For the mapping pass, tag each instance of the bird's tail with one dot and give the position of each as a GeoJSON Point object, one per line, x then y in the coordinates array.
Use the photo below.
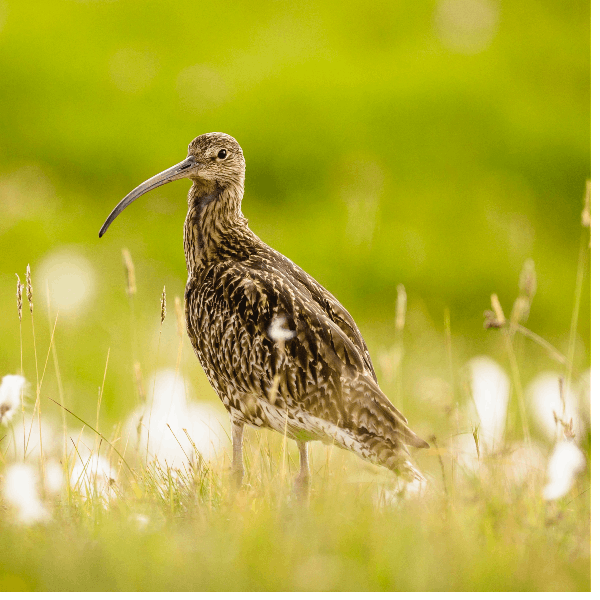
{"type": "Point", "coordinates": [381, 429]}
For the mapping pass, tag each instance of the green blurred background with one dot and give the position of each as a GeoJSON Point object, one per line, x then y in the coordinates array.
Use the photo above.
{"type": "Point", "coordinates": [434, 144]}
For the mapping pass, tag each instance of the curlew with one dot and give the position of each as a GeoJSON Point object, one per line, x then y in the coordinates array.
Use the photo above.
{"type": "Point", "coordinates": [279, 350]}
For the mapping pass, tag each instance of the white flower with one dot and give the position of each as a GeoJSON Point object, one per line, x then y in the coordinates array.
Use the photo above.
{"type": "Point", "coordinates": [278, 331]}
{"type": "Point", "coordinates": [10, 396]}
{"type": "Point", "coordinates": [94, 477]}
{"type": "Point", "coordinates": [53, 477]}
{"type": "Point", "coordinates": [158, 426]}
{"type": "Point", "coordinates": [490, 387]}
{"type": "Point", "coordinates": [20, 491]}
{"type": "Point", "coordinates": [207, 430]}
{"type": "Point", "coordinates": [566, 461]}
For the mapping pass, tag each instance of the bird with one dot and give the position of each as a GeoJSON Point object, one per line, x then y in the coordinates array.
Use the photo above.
{"type": "Point", "coordinates": [279, 350]}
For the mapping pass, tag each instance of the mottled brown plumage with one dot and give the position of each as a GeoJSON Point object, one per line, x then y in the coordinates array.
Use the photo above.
{"type": "Point", "coordinates": [277, 347]}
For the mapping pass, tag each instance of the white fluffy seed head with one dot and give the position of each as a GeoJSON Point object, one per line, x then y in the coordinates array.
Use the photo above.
{"type": "Point", "coordinates": [20, 491]}
{"type": "Point", "coordinates": [158, 426]}
{"type": "Point", "coordinates": [10, 396]}
{"type": "Point", "coordinates": [490, 388]}
{"type": "Point", "coordinates": [566, 461]}
{"type": "Point", "coordinates": [94, 476]}
{"type": "Point", "coordinates": [53, 477]}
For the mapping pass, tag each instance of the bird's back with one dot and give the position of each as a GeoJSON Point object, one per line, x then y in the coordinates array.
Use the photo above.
{"type": "Point", "coordinates": [282, 352]}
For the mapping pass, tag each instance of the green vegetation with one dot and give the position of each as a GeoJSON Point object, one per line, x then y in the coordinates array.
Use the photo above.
{"type": "Point", "coordinates": [386, 143]}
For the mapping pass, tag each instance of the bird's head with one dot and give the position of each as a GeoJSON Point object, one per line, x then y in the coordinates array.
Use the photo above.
{"type": "Point", "coordinates": [214, 160]}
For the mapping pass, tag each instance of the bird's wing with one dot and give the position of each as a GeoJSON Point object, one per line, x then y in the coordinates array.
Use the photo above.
{"type": "Point", "coordinates": [326, 300]}
{"type": "Point", "coordinates": [267, 337]}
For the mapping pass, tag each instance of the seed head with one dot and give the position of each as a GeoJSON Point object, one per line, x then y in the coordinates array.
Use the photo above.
{"type": "Point", "coordinates": [400, 307]}
{"type": "Point", "coordinates": [567, 426]}
{"type": "Point", "coordinates": [10, 392]}
{"type": "Point", "coordinates": [528, 280]}
{"type": "Point", "coordinates": [29, 289]}
{"type": "Point", "coordinates": [129, 273]}
{"type": "Point", "coordinates": [19, 298]}
{"type": "Point", "coordinates": [163, 305]}
{"type": "Point", "coordinates": [494, 318]}
{"type": "Point", "coordinates": [566, 461]}
{"type": "Point", "coordinates": [520, 310]}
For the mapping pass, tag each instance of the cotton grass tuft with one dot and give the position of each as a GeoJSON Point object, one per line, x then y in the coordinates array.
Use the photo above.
{"type": "Point", "coordinates": [20, 492]}
{"type": "Point", "coordinates": [10, 393]}
{"type": "Point", "coordinates": [566, 462]}
{"type": "Point", "coordinates": [490, 388]}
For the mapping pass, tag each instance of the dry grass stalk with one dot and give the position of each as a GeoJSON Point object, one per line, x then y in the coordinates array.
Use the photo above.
{"type": "Point", "coordinates": [567, 426]}
{"type": "Point", "coordinates": [101, 391]}
{"type": "Point", "coordinates": [139, 381]}
{"type": "Point", "coordinates": [129, 272]}
{"type": "Point", "coordinates": [528, 280]}
{"type": "Point", "coordinates": [520, 310]}
{"type": "Point", "coordinates": [180, 317]}
{"type": "Point", "coordinates": [586, 213]}
{"type": "Point", "coordinates": [568, 429]}
{"type": "Point", "coordinates": [475, 433]}
{"type": "Point", "coordinates": [495, 319]}
{"type": "Point", "coordinates": [20, 312]}
{"type": "Point", "coordinates": [400, 307]}
{"type": "Point", "coordinates": [581, 266]}
{"type": "Point", "coordinates": [527, 289]}
{"type": "Point", "coordinates": [497, 308]}
{"type": "Point", "coordinates": [163, 314]}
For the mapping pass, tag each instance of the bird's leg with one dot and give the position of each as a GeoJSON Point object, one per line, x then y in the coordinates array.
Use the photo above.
{"type": "Point", "coordinates": [237, 464]}
{"type": "Point", "coordinates": [303, 479]}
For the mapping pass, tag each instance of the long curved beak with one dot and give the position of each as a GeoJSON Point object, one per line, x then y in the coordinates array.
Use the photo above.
{"type": "Point", "coordinates": [179, 171]}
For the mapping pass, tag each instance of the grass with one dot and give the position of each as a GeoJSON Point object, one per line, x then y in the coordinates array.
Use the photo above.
{"type": "Point", "coordinates": [190, 533]}
{"type": "Point", "coordinates": [147, 526]}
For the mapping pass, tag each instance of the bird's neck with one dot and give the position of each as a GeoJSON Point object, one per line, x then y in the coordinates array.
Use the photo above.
{"type": "Point", "coordinates": [215, 229]}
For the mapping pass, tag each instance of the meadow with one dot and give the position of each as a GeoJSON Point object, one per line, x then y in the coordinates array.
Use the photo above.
{"type": "Point", "coordinates": [79, 515]}
{"type": "Point", "coordinates": [426, 162]}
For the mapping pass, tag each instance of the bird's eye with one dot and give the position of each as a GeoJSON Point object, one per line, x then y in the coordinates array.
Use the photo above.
{"type": "Point", "coordinates": [222, 153]}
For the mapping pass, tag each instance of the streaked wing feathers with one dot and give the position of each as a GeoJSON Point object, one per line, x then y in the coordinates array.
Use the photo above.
{"type": "Point", "coordinates": [308, 364]}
